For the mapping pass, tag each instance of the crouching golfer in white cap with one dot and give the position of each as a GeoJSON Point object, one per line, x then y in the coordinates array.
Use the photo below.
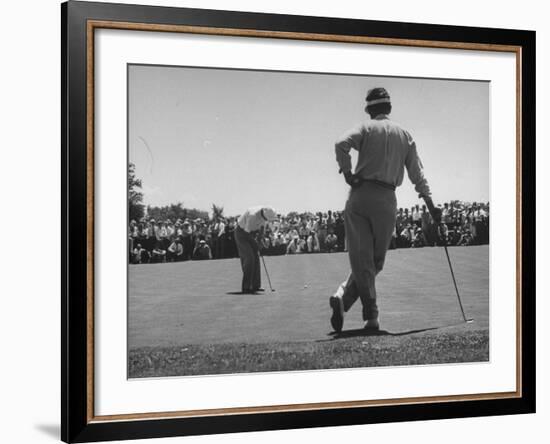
{"type": "Point", "coordinates": [384, 150]}
{"type": "Point", "coordinates": [249, 225]}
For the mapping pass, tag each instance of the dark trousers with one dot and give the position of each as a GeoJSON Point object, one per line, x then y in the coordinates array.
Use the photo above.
{"type": "Point", "coordinates": [220, 247]}
{"type": "Point", "coordinates": [370, 220]}
{"type": "Point", "coordinates": [187, 247]}
{"type": "Point", "coordinates": [249, 252]}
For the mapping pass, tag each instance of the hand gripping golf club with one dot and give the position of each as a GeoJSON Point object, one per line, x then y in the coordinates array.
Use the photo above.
{"type": "Point", "coordinates": [267, 274]}
{"type": "Point", "coordinates": [468, 321]}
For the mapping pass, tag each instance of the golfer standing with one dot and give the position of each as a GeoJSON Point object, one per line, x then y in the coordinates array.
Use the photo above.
{"type": "Point", "coordinates": [249, 227]}
{"type": "Point", "coordinates": [384, 150]}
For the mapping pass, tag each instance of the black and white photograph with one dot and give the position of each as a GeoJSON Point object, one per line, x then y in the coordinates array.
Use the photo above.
{"type": "Point", "coordinates": [289, 221]}
{"type": "Point", "coordinates": [279, 221]}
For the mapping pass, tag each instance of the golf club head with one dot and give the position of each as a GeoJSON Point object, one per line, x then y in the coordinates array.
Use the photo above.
{"type": "Point", "coordinates": [469, 321]}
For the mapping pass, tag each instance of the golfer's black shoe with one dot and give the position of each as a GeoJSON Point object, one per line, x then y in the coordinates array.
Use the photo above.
{"type": "Point", "coordinates": [337, 318]}
{"type": "Point", "coordinates": [372, 325]}
{"type": "Point", "coordinates": [259, 289]}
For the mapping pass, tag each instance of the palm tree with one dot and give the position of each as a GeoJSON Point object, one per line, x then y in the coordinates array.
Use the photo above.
{"type": "Point", "coordinates": [135, 197]}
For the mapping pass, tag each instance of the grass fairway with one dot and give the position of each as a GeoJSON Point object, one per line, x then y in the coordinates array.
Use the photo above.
{"type": "Point", "coordinates": [185, 318]}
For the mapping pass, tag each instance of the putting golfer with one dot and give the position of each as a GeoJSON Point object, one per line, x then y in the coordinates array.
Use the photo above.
{"type": "Point", "coordinates": [250, 227]}
{"type": "Point", "coordinates": [384, 150]}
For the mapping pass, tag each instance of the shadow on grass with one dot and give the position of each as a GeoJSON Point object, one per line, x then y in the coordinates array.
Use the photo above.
{"type": "Point", "coordinates": [361, 332]}
{"type": "Point", "coordinates": [240, 293]}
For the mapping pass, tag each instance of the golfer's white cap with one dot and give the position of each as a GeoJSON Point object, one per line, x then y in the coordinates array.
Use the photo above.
{"type": "Point", "coordinates": [269, 214]}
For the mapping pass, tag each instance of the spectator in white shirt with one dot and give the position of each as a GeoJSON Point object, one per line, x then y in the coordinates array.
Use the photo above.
{"type": "Point", "coordinates": [313, 243]}
{"type": "Point", "coordinates": [292, 246]}
{"type": "Point", "coordinates": [175, 251]}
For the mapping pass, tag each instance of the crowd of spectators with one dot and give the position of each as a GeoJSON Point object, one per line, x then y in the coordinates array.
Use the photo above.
{"type": "Point", "coordinates": [462, 224]}
{"type": "Point", "coordinates": [154, 241]}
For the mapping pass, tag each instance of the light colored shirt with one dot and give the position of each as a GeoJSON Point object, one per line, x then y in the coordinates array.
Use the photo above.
{"type": "Point", "coordinates": [221, 229]}
{"type": "Point", "coordinates": [252, 220]}
{"type": "Point", "coordinates": [385, 149]}
{"type": "Point", "coordinates": [312, 242]}
{"type": "Point", "coordinates": [292, 247]}
{"type": "Point", "coordinates": [176, 248]}
{"type": "Point", "coordinates": [479, 214]}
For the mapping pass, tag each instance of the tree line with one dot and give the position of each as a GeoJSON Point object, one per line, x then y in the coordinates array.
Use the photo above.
{"type": "Point", "coordinates": [137, 209]}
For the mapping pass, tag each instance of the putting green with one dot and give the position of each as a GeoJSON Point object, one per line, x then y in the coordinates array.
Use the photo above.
{"type": "Point", "coordinates": [191, 302]}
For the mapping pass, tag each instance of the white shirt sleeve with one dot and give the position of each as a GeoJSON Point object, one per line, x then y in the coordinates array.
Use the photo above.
{"type": "Point", "coordinates": [251, 220]}
{"type": "Point", "coordinates": [344, 145]}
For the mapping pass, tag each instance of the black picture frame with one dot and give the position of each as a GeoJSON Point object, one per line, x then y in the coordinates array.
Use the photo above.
{"type": "Point", "coordinates": [77, 423]}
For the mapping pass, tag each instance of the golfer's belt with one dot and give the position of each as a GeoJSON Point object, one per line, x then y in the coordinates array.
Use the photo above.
{"type": "Point", "coordinates": [389, 186]}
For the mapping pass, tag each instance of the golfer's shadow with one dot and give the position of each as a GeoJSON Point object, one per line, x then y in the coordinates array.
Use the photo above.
{"type": "Point", "coordinates": [361, 332]}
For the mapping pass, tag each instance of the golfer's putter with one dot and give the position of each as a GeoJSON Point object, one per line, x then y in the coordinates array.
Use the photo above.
{"type": "Point", "coordinates": [267, 274]}
{"type": "Point", "coordinates": [468, 321]}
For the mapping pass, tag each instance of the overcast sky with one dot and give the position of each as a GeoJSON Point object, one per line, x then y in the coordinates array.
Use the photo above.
{"type": "Point", "coordinates": [242, 138]}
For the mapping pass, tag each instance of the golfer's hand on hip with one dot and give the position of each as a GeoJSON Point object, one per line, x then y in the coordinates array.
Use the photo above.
{"type": "Point", "coordinates": [352, 179]}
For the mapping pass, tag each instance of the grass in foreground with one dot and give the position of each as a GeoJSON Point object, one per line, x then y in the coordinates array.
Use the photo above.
{"type": "Point", "coordinates": [353, 352]}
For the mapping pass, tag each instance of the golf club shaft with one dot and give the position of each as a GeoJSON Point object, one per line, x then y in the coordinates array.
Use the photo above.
{"type": "Point", "coordinates": [267, 274]}
{"type": "Point", "coordinates": [454, 282]}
